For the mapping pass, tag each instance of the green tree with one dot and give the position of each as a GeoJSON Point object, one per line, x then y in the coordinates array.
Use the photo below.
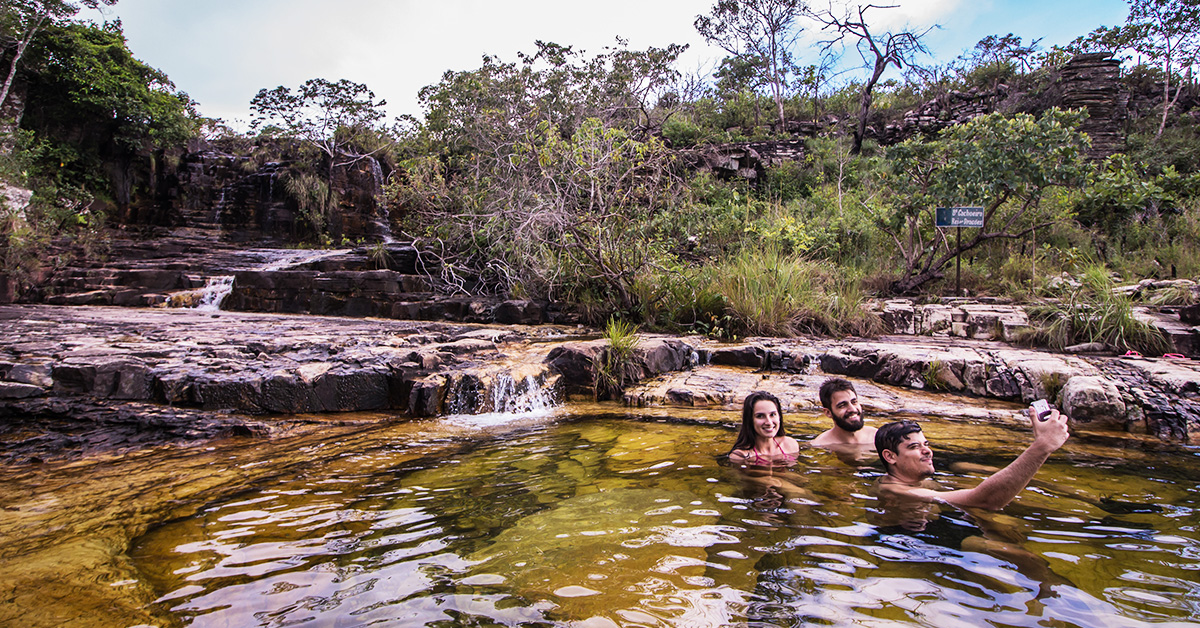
{"type": "Point", "coordinates": [336, 118]}
{"type": "Point", "coordinates": [762, 33]}
{"type": "Point", "coordinates": [878, 51]}
{"type": "Point", "coordinates": [738, 76]}
{"type": "Point", "coordinates": [1005, 164]}
{"type": "Point", "coordinates": [22, 20]}
{"type": "Point", "coordinates": [539, 176]}
{"type": "Point", "coordinates": [488, 109]}
{"type": "Point", "coordinates": [93, 117]}
{"type": "Point", "coordinates": [98, 111]}
{"type": "Point", "coordinates": [811, 78]}
{"type": "Point", "coordinates": [1167, 32]}
{"type": "Point", "coordinates": [342, 120]}
{"type": "Point", "coordinates": [995, 58]}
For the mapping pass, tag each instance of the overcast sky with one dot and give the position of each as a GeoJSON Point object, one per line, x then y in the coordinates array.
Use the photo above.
{"type": "Point", "coordinates": [221, 52]}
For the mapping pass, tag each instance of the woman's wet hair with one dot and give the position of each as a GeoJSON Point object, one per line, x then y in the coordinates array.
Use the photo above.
{"type": "Point", "coordinates": [745, 438]}
{"type": "Point", "coordinates": [891, 435]}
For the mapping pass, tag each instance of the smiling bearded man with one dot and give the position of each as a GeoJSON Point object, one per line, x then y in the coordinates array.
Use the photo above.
{"type": "Point", "coordinates": [840, 403]}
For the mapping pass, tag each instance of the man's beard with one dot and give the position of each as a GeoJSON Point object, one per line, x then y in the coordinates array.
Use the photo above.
{"type": "Point", "coordinates": [852, 425]}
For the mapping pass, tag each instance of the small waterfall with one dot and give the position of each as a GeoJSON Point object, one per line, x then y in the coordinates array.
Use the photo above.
{"type": "Point", "coordinates": [527, 397]}
{"type": "Point", "coordinates": [208, 299]}
{"type": "Point", "coordinates": [474, 403]}
{"type": "Point", "coordinates": [383, 223]}
{"type": "Point", "coordinates": [214, 292]}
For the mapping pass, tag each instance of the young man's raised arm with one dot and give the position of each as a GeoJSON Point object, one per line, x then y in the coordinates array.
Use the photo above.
{"type": "Point", "coordinates": [996, 491]}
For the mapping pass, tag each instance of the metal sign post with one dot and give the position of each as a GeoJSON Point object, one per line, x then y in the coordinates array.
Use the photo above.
{"type": "Point", "coordinates": [958, 217]}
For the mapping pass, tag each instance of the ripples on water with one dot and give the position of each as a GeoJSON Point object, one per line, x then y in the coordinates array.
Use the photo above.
{"type": "Point", "coordinates": [603, 522]}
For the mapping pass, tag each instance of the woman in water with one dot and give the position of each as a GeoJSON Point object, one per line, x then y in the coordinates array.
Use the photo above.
{"type": "Point", "coordinates": [761, 440]}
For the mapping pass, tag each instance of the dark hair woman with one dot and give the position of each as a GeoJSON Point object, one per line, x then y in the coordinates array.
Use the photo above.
{"type": "Point", "coordinates": [761, 439]}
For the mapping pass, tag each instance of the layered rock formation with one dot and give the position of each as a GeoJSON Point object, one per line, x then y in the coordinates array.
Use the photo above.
{"type": "Point", "coordinates": [222, 190]}
{"type": "Point", "coordinates": [1090, 81]}
{"type": "Point", "coordinates": [67, 375]}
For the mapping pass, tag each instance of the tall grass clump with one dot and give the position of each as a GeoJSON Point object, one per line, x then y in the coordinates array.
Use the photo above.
{"type": "Point", "coordinates": [314, 198]}
{"type": "Point", "coordinates": [844, 312]}
{"type": "Point", "coordinates": [1176, 296]}
{"type": "Point", "coordinates": [768, 293]}
{"type": "Point", "coordinates": [1093, 312]}
{"type": "Point", "coordinates": [616, 364]}
{"type": "Point", "coordinates": [763, 288]}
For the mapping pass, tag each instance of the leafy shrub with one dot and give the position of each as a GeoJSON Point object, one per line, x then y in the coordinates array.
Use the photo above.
{"type": "Point", "coordinates": [788, 181]}
{"type": "Point", "coordinates": [682, 133]}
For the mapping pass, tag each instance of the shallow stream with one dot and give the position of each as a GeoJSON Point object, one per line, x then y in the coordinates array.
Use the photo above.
{"type": "Point", "coordinates": [594, 516]}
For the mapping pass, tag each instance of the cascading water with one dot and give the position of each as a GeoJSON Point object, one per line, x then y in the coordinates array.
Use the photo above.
{"type": "Point", "coordinates": [474, 403]}
{"type": "Point", "coordinates": [220, 210]}
{"type": "Point", "coordinates": [285, 259]}
{"type": "Point", "coordinates": [383, 223]}
{"type": "Point", "coordinates": [529, 397]}
{"type": "Point", "coordinates": [214, 292]}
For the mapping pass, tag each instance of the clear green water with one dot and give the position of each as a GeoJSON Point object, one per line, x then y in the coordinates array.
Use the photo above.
{"type": "Point", "coordinates": [595, 518]}
{"type": "Point", "coordinates": [593, 521]}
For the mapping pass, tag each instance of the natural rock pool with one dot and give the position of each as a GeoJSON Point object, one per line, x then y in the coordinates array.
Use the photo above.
{"type": "Point", "coordinates": [591, 516]}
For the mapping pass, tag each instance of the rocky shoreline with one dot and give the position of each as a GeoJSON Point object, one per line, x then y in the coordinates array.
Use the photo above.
{"type": "Point", "coordinates": [81, 380]}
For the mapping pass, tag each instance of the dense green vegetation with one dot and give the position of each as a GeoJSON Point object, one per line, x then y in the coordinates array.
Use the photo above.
{"type": "Point", "coordinates": [574, 177]}
{"type": "Point", "coordinates": [93, 117]}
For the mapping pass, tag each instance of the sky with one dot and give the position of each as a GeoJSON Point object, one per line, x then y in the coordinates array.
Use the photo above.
{"type": "Point", "coordinates": [221, 52]}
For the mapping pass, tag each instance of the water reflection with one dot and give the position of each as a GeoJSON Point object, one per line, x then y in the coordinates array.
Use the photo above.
{"type": "Point", "coordinates": [603, 522]}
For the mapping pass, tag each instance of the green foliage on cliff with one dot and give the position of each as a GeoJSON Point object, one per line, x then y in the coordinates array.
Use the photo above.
{"type": "Point", "coordinates": [93, 116]}
{"type": "Point", "coordinates": [97, 109]}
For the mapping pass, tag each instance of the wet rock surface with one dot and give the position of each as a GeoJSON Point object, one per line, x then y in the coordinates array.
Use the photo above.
{"type": "Point", "coordinates": [1162, 396]}
{"type": "Point", "coordinates": [77, 371]}
{"type": "Point", "coordinates": [76, 380]}
{"type": "Point", "coordinates": [1152, 395]}
{"type": "Point", "coordinates": [390, 280]}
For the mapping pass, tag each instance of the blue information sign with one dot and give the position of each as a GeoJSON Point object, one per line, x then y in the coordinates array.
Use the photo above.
{"type": "Point", "coordinates": [959, 217]}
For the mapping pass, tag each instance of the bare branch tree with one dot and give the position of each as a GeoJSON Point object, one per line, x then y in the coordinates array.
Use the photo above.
{"type": "Point", "coordinates": [878, 50]}
{"type": "Point", "coordinates": [1167, 31]}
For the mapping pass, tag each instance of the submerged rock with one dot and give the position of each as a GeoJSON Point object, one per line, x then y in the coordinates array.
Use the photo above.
{"type": "Point", "coordinates": [583, 552]}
